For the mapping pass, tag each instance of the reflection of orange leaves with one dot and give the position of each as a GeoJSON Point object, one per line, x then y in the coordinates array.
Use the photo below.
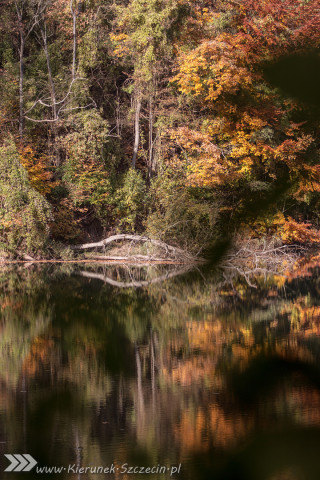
{"type": "Point", "coordinates": [305, 318]}
{"type": "Point", "coordinates": [204, 335]}
{"type": "Point", "coordinates": [279, 281]}
{"type": "Point", "coordinates": [201, 426]}
{"type": "Point", "coordinates": [307, 402]}
{"type": "Point", "coordinates": [191, 431]}
{"type": "Point", "coordinates": [197, 429]}
{"type": "Point", "coordinates": [227, 430]}
{"type": "Point", "coordinates": [208, 338]}
{"type": "Point", "coordinates": [191, 371]}
{"type": "Point", "coordinates": [239, 352]}
{"type": "Point", "coordinates": [10, 303]}
{"type": "Point", "coordinates": [304, 267]}
{"type": "Point", "coordinates": [38, 355]}
{"type": "Point", "coordinates": [291, 349]}
{"type": "Point", "coordinates": [6, 302]}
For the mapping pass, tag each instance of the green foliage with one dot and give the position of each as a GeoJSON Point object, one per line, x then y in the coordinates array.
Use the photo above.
{"type": "Point", "coordinates": [192, 87]}
{"type": "Point", "coordinates": [88, 51]}
{"type": "Point", "coordinates": [147, 26]}
{"type": "Point", "coordinates": [178, 216]}
{"type": "Point", "coordinates": [85, 169]}
{"type": "Point", "coordinates": [24, 213]}
{"type": "Point", "coordinates": [131, 202]}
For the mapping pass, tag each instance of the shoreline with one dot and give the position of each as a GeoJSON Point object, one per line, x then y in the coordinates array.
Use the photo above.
{"type": "Point", "coordinates": [103, 262]}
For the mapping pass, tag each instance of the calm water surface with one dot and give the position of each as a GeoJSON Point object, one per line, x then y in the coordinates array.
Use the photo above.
{"type": "Point", "coordinates": [100, 367]}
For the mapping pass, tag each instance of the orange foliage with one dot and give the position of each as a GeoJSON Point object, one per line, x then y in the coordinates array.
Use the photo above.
{"type": "Point", "coordinates": [38, 169]}
{"type": "Point", "coordinates": [206, 166]}
{"type": "Point", "coordinates": [292, 231]}
{"type": "Point", "coordinates": [247, 133]}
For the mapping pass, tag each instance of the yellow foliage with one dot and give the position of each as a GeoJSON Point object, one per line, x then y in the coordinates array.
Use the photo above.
{"type": "Point", "coordinates": [38, 170]}
{"type": "Point", "coordinates": [292, 231]}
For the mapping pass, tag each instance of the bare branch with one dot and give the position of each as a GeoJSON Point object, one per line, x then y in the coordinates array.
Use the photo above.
{"type": "Point", "coordinates": [77, 108]}
{"type": "Point", "coordinates": [170, 251]}
{"type": "Point", "coordinates": [134, 283]}
{"type": "Point", "coordinates": [44, 120]}
{"type": "Point", "coordinates": [252, 257]}
{"type": "Point", "coordinates": [55, 103]}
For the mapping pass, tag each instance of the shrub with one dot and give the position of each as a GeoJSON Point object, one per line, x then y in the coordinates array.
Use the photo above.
{"type": "Point", "coordinates": [85, 170]}
{"type": "Point", "coordinates": [178, 216]}
{"type": "Point", "coordinates": [24, 213]}
{"type": "Point", "coordinates": [131, 202]}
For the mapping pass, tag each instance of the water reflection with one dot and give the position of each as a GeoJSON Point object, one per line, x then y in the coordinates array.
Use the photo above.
{"type": "Point", "coordinates": [221, 378]}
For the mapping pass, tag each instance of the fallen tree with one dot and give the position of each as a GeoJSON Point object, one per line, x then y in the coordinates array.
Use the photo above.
{"type": "Point", "coordinates": [161, 250]}
{"type": "Point", "coordinates": [251, 258]}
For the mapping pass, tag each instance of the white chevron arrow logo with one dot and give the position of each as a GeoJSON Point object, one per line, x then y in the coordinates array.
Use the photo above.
{"type": "Point", "coordinates": [20, 463]}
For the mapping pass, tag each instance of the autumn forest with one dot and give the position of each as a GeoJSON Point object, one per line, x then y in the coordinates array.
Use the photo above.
{"type": "Point", "coordinates": [180, 120]}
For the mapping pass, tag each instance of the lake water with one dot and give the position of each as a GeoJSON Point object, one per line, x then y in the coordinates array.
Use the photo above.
{"type": "Point", "coordinates": [120, 367]}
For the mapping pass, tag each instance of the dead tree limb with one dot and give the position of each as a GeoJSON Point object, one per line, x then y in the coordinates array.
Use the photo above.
{"type": "Point", "coordinates": [169, 249]}
{"type": "Point", "coordinates": [251, 258]}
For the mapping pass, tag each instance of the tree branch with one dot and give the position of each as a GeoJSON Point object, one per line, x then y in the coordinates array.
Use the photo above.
{"type": "Point", "coordinates": [169, 249]}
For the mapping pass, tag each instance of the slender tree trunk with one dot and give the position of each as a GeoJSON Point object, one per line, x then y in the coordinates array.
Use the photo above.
{"type": "Point", "coordinates": [150, 136]}
{"type": "Point", "coordinates": [53, 98]}
{"type": "Point", "coordinates": [25, 31]}
{"type": "Point", "coordinates": [21, 78]}
{"type": "Point", "coordinates": [136, 130]}
{"type": "Point", "coordinates": [118, 114]}
{"type": "Point", "coordinates": [51, 82]}
{"type": "Point", "coordinates": [74, 34]}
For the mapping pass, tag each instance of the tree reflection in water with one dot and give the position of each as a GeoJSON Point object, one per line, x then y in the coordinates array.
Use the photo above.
{"type": "Point", "coordinates": [221, 378]}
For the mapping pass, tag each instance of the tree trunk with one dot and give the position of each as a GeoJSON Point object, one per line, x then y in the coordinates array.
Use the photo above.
{"type": "Point", "coordinates": [25, 31]}
{"type": "Point", "coordinates": [53, 98]}
{"type": "Point", "coordinates": [74, 34]}
{"type": "Point", "coordinates": [150, 163]}
{"type": "Point", "coordinates": [51, 82]}
{"type": "Point", "coordinates": [21, 78]}
{"type": "Point", "coordinates": [136, 130]}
